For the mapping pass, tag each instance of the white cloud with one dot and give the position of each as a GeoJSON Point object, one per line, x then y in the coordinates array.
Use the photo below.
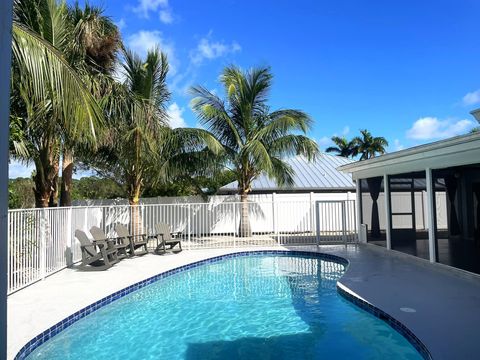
{"type": "Point", "coordinates": [397, 146]}
{"type": "Point", "coordinates": [324, 142]}
{"type": "Point", "coordinates": [121, 24]}
{"type": "Point", "coordinates": [429, 128]}
{"type": "Point", "coordinates": [144, 7]}
{"type": "Point", "coordinates": [472, 98]}
{"type": "Point", "coordinates": [207, 49]}
{"type": "Point", "coordinates": [166, 16]}
{"type": "Point", "coordinates": [175, 114]}
{"type": "Point", "coordinates": [19, 169]}
{"type": "Point", "coordinates": [145, 40]}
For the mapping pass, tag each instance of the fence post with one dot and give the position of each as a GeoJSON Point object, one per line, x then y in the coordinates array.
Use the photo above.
{"type": "Point", "coordinates": [317, 215]}
{"type": "Point", "coordinates": [189, 218]}
{"type": "Point", "coordinates": [43, 243]}
{"type": "Point", "coordinates": [344, 234]}
{"type": "Point", "coordinates": [312, 213]}
{"type": "Point", "coordinates": [69, 242]}
{"type": "Point", "coordinates": [274, 217]}
{"type": "Point", "coordinates": [234, 204]}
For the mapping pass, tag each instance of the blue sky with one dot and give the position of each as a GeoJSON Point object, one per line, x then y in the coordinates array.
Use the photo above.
{"type": "Point", "coordinates": [406, 70]}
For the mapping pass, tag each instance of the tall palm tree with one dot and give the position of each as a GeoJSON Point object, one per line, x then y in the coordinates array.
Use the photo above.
{"type": "Point", "coordinates": [49, 98]}
{"type": "Point", "coordinates": [140, 147]}
{"type": "Point", "coordinates": [94, 54]}
{"type": "Point", "coordinates": [343, 147]}
{"type": "Point", "coordinates": [369, 146]}
{"type": "Point", "coordinates": [255, 140]}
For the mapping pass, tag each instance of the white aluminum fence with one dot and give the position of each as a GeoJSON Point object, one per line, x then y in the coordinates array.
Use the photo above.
{"type": "Point", "coordinates": [41, 241]}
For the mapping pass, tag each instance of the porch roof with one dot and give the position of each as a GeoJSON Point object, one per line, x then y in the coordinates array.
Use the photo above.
{"type": "Point", "coordinates": [456, 151]}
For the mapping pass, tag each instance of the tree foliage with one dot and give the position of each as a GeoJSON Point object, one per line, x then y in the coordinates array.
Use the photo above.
{"type": "Point", "coordinates": [255, 139]}
{"type": "Point", "coordinates": [140, 148]}
{"type": "Point", "coordinates": [369, 146]}
{"type": "Point", "coordinates": [50, 101]}
{"type": "Point", "coordinates": [343, 147]}
{"type": "Point", "coordinates": [365, 145]}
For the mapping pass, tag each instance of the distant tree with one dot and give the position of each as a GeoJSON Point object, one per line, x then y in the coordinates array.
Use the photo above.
{"type": "Point", "coordinates": [96, 188]}
{"type": "Point", "coordinates": [255, 140]}
{"type": "Point", "coordinates": [344, 147]}
{"type": "Point", "coordinates": [20, 194]}
{"type": "Point", "coordinates": [475, 130]}
{"type": "Point", "coordinates": [369, 146]}
{"type": "Point", "coordinates": [189, 186]}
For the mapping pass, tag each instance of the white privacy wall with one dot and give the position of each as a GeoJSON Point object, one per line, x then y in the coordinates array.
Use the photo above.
{"type": "Point", "coordinates": [220, 214]}
{"type": "Point", "coordinates": [224, 198]}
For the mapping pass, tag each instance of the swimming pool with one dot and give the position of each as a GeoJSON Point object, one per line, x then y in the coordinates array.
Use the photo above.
{"type": "Point", "coordinates": [256, 306]}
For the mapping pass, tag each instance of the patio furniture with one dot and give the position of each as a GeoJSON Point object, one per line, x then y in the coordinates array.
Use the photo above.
{"type": "Point", "coordinates": [135, 241]}
{"type": "Point", "coordinates": [92, 259]}
{"type": "Point", "coordinates": [113, 243]}
{"type": "Point", "coordinates": [164, 239]}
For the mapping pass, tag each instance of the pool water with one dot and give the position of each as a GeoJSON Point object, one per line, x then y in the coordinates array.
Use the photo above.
{"type": "Point", "coordinates": [251, 307]}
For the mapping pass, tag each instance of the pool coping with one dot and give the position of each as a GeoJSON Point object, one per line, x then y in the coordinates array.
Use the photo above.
{"type": "Point", "coordinates": [343, 290]}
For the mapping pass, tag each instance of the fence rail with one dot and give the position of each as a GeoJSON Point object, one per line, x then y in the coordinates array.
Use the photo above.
{"type": "Point", "coordinates": [41, 241]}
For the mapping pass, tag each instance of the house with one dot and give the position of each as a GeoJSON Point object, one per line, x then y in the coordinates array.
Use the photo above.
{"type": "Point", "coordinates": [441, 220]}
{"type": "Point", "coordinates": [318, 177]}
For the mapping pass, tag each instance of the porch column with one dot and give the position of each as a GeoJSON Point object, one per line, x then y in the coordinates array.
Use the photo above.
{"type": "Point", "coordinates": [5, 50]}
{"type": "Point", "coordinates": [431, 214]}
{"type": "Point", "coordinates": [358, 204]}
{"type": "Point", "coordinates": [388, 225]}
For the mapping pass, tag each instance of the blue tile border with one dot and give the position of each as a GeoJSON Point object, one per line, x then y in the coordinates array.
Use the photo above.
{"type": "Point", "coordinates": [34, 343]}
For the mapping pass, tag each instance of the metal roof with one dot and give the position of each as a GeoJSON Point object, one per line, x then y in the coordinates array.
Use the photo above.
{"type": "Point", "coordinates": [318, 175]}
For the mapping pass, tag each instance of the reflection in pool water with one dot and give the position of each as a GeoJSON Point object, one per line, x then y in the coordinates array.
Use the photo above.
{"type": "Point", "coordinates": [251, 307]}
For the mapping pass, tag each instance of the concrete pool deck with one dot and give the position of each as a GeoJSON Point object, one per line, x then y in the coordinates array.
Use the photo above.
{"type": "Point", "coordinates": [446, 302]}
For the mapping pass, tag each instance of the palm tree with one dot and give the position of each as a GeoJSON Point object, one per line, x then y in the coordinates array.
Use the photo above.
{"type": "Point", "coordinates": [49, 99]}
{"type": "Point", "coordinates": [94, 54]}
{"type": "Point", "coordinates": [343, 147]}
{"type": "Point", "coordinates": [255, 140]}
{"type": "Point", "coordinates": [159, 152]}
{"type": "Point", "coordinates": [140, 147]}
{"type": "Point", "coordinates": [369, 146]}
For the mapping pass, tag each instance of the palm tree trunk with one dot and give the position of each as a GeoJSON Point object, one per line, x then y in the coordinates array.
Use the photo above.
{"type": "Point", "coordinates": [245, 229]}
{"type": "Point", "coordinates": [42, 193]}
{"type": "Point", "coordinates": [67, 176]}
{"type": "Point", "coordinates": [46, 172]}
{"type": "Point", "coordinates": [135, 216]}
{"type": "Point", "coordinates": [54, 195]}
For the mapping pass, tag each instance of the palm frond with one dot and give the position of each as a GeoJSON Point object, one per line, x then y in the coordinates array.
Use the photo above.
{"type": "Point", "coordinates": [47, 75]}
{"type": "Point", "coordinates": [291, 145]}
{"type": "Point", "coordinates": [281, 172]}
{"type": "Point", "coordinates": [212, 113]}
{"type": "Point", "coordinates": [283, 122]}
